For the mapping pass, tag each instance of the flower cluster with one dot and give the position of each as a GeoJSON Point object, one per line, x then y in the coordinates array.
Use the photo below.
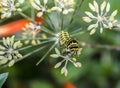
{"type": "Point", "coordinates": [7, 7]}
{"type": "Point", "coordinates": [31, 31]}
{"type": "Point", "coordinates": [64, 6]}
{"type": "Point", "coordinates": [9, 52]}
{"type": "Point", "coordinates": [100, 17]}
{"type": "Point", "coordinates": [56, 31]}
{"type": "Point", "coordinates": [65, 60]}
{"type": "Point", "coordinates": [41, 8]}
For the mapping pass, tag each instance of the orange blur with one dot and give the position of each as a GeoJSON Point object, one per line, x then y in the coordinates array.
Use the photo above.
{"type": "Point", "coordinates": [69, 85]}
{"type": "Point", "coordinates": [15, 27]}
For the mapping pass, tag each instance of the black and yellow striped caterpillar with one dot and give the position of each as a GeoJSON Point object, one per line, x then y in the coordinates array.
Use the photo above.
{"type": "Point", "coordinates": [68, 45]}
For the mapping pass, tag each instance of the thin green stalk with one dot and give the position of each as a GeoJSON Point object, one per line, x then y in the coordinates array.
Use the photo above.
{"type": "Point", "coordinates": [66, 61]}
{"type": "Point", "coordinates": [47, 30]}
{"type": "Point", "coordinates": [34, 45]}
{"type": "Point", "coordinates": [24, 56]}
{"type": "Point", "coordinates": [46, 54]}
{"type": "Point", "coordinates": [32, 39]}
{"type": "Point", "coordinates": [59, 20]}
{"type": "Point", "coordinates": [32, 13]}
{"type": "Point", "coordinates": [108, 47]}
{"type": "Point", "coordinates": [76, 10]}
{"type": "Point", "coordinates": [26, 47]}
{"type": "Point", "coordinates": [78, 33]}
{"type": "Point", "coordinates": [62, 19]}
{"type": "Point", "coordinates": [35, 39]}
{"type": "Point", "coordinates": [53, 27]}
{"type": "Point", "coordinates": [73, 33]}
{"type": "Point", "coordinates": [31, 53]}
{"type": "Point", "coordinates": [27, 17]}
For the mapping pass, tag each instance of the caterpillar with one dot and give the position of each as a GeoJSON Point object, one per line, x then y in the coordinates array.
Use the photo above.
{"type": "Point", "coordinates": [69, 45]}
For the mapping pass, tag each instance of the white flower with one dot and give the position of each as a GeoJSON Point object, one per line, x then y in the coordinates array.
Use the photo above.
{"type": "Point", "coordinates": [64, 6]}
{"type": "Point", "coordinates": [9, 52]}
{"type": "Point", "coordinates": [31, 31]}
{"type": "Point", "coordinates": [64, 71]}
{"type": "Point", "coordinates": [7, 7]}
{"type": "Point", "coordinates": [58, 65]}
{"type": "Point", "coordinates": [65, 60]}
{"type": "Point", "coordinates": [38, 6]}
{"type": "Point", "coordinates": [100, 17]}
{"type": "Point", "coordinates": [77, 64]}
{"type": "Point", "coordinates": [54, 55]}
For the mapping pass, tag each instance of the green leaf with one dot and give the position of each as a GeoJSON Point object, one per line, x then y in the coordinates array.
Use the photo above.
{"type": "Point", "coordinates": [3, 78]}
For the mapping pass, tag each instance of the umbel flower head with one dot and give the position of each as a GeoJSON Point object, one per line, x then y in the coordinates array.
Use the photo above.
{"type": "Point", "coordinates": [9, 52]}
{"type": "Point", "coordinates": [31, 31]}
{"type": "Point", "coordinates": [65, 60]}
{"type": "Point", "coordinates": [41, 8]}
{"type": "Point", "coordinates": [7, 7]}
{"type": "Point", "coordinates": [64, 6]}
{"type": "Point", "coordinates": [100, 17]}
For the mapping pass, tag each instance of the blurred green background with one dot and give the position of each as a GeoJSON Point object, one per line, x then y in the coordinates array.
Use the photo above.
{"type": "Point", "coordinates": [100, 67]}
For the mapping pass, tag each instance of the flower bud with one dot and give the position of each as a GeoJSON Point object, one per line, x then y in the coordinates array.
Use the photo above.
{"type": "Point", "coordinates": [54, 55]}
{"type": "Point", "coordinates": [77, 64]}
{"type": "Point", "coordinates": [58, 65]}
{"type": "Point", "coordinates": [11, 63]}
{"type": "Point", "coordinates": [64, 71]}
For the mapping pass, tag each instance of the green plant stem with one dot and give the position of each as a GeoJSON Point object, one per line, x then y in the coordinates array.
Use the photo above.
{"type": "Point", "coordinates": [35, 39]}
{"type": "Point", "coordinates": [27, 17]}
{"type": "Point", "coordinates": [62, 21]}
{"type": "Point", "coordinates": [78, 33]}
{"type": "Point", "coordinates": [53, 27]}
{"type": "Point", "coordinates": [108, 47]}
{"type": "Point", "coordinates": [30, 46]}
{"type": "Point", "coordinates": [59, 20]}
{"type": "Point", "coordinates": [32, 39]}
{"type": "Point", "coordinates": [47, 30]}
{"type": "Point", "coordinates": [32, 13]}
{"type": "Point", "coordinates": [28, 54]}
{"type": "Point", "coordinates": [46, 54]}
{"type": "Point", "coordinates": [76, 10]}
{"type": "Point", "coordinates": [31, 53]}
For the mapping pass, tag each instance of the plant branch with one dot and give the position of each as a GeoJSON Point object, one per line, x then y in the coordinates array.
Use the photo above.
{"type": "Point", "coordinates": [24, 56]}
{"type": "Point", "coordinates": [47, 30]}
{"type": "Point", "coordinates": [32, 39]}
{"type": "Point", "coordinates": [46, 54]}
{"type": "Point", "coordinates": [30, 46]}
{"type": "Point", "coordinates": [108, 47]}
{"type": "Point", "coordinates": [76, 10]}
{"type": "Point", "coordinates": [62, 19]}
{"type": "Point", "coordinates": [53, 27]}
{"type": "Point", "coordinates": [27, 17]}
